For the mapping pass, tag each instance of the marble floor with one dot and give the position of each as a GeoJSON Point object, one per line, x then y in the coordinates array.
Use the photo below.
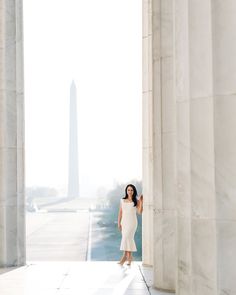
{"type": "Point", "coordinates": [77, 278]}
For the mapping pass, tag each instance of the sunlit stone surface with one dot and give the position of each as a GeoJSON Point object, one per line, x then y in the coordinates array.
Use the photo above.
{"type": "Point", "coordinates": [12, 218]}
{"type": "Point", "coordinates": [57, 236]}
{"type": "Point", "coordinates": [189, 127]}
{"type": "Point", "coordinates": [159, 139]}
{"type": "Point", "coordinates": [87, 278]}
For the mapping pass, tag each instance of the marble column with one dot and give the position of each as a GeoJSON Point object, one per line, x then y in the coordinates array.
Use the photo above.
{"type": "Point", "coordinates": [12, 199]}
{"type": "Point", "coordinates": [197, 271]}
{"type": "Point", "coordinates": [183, 162]}
{"type": "Point", "coordinates": [159, 141]}
{"type": "Point", "coordinates": [164, 145]}
{"type": "Point", "coordinates": [206, 139]}
{"type": "Point", "coordinates": [193, 61]}
{"type": "Point", "coordinates": [148, 148]}
{"type": "Point", "coordinates": [224, 100]}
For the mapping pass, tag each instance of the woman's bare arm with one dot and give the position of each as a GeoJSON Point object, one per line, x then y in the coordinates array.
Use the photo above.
{"type": "Point", "coordinates": [119, 218]}
{"type": "Point", "coordinates": [140, 205]}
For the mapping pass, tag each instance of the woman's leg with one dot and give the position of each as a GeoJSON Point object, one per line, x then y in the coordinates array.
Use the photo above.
{"type": "Point", "coordinates": [129, 257]}
{"type": "Point", "coordinates": [123, 258]}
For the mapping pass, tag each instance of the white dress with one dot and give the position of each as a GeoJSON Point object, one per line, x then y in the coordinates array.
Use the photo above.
{"type": "Point", "coordinates": [128, 226]}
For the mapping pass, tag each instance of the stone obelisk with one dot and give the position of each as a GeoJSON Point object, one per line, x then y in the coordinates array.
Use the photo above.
{"type": "Point", "coordinates": [73, 177]}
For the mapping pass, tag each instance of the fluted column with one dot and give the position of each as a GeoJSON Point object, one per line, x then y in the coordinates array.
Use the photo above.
{"type": "Point", "coordinates": [224, 94]}
{"type": "Point", "coordinates": [193, 60]}
{"type": "Point", "coordinates": [197, 263]}
{"type": "Point", "coordinates": [183, 160]}
{"type": "Point", "coordinates": [12, 210]}
{"type": "Point", "coordinates": [148, 125]}
{"type": "Point", "coordinates": [159, 142]}
{"type": "Point", "coordinates": [164, 145]}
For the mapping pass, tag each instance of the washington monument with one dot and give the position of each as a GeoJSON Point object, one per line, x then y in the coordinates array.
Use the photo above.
{"type": "Point", "coordinates": [73, 177]}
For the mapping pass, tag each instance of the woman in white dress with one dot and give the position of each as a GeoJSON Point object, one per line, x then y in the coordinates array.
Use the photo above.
{"type": "Point", "coordinates": [127, 221]}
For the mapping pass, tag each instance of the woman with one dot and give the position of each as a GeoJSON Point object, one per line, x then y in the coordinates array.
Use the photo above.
{"type": "Point", "coordinates": [127, 221]}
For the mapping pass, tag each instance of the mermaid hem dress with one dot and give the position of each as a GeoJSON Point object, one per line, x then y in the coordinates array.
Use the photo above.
{"type": "Point", "coordinates": [129, 225]}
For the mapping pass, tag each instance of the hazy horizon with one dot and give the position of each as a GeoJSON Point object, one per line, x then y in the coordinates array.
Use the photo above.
{"type": "Point", "coordinates": [98, 44]}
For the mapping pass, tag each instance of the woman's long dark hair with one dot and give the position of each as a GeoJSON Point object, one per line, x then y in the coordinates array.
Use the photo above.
{"type": "Point", "coordinates": [134, 197]}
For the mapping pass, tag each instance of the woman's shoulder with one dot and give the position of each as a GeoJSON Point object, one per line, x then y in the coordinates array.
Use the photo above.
{"type": "Point", "coordinates": [122, 200]}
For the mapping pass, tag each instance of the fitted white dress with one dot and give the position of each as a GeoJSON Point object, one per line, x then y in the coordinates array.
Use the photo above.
{"type": "Point", "coordinates": [128, 226]}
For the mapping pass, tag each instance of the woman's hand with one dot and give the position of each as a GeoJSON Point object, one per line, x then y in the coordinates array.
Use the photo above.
{"type": "Point", "coordinates": [119, 227]}
{"type": "Point", "coordinates": [140, 204]}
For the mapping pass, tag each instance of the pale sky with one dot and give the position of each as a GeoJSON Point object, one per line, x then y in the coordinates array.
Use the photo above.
{"type": "Point", "coordinates": [98, 43]}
